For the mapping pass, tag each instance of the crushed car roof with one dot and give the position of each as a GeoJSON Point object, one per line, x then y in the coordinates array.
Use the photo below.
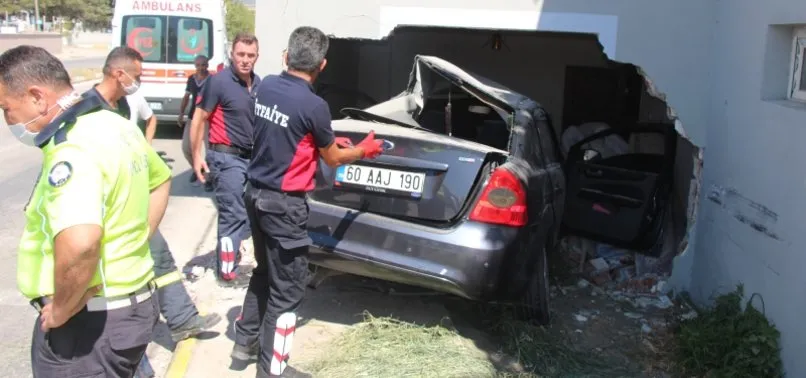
{"type": "Point", "coordinates": [491, 88]}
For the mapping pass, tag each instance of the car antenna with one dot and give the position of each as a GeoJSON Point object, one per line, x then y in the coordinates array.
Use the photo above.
{"type": "Point", "coordinates": [448, 112]}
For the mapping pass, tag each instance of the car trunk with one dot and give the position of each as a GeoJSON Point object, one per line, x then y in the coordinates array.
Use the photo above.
{"type": "Point", "coordinates": [442, 135]}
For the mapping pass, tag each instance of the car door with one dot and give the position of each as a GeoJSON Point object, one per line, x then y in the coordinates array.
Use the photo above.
{"type": "Point", "coordinates": [620, 198]}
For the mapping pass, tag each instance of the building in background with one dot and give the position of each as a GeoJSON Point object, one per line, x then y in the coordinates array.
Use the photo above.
{"type": "Point", "coordinates": [733, 73]}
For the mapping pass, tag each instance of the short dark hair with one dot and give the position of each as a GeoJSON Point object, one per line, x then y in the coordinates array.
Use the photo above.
{"type": "Point", "coordinates": [307, 47]}
{"type": "Point", "coordinates": [201, 58]}
{"type": "Point", "coordinates": [26, 65]}
{"type": "Point", "coordinates": [119, 56]}
{"type": "Point", "coordinates": [245, 38]}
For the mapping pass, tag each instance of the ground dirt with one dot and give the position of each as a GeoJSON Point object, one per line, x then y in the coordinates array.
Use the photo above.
{"type": "Point", "coordinates": [595, 331]}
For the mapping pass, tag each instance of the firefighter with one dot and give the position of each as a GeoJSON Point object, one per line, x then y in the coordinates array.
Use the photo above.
{"type": "Point", "coordinates": [226, 103]}
{"type": "Point", "coordinates": [292, 131]}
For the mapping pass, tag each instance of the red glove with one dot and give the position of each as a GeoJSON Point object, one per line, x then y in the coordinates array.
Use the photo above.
{"type": "Point", "coordinates": [344, 142]}
{"type": "Point", "coordinates": [371, 146]}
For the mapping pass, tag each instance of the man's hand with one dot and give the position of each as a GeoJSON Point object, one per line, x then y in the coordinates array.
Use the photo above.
{"type": "Point", "coordinates": [200, 167]}
{"type": "Point", "coordinates": [181, 120]}
{"type": "Point", "coordinates": [55, 317]}
{"type": "Point", "coordinates": [371, 146]}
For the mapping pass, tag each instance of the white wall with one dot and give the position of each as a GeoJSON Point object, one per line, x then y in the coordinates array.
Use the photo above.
{"type": "Point", "coordinates": [755, 147]}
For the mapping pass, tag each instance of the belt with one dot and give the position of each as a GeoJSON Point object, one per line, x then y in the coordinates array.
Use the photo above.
{"type": "Point", "coordinates": [107, 304]}
{"type": "Point", "coordinates": [252, 185]}
{"type": "Point", "coordinates": [232, 150]}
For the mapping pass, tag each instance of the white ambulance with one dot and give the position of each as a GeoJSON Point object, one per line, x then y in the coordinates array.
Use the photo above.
{"type": "Point", "coordinates": [170, 34]}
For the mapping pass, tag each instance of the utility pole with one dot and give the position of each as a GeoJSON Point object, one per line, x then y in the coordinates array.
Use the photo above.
{"type": "Point", "coordinates": [36, 15]}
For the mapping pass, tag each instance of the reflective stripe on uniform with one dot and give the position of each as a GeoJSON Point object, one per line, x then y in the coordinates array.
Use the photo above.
{"type": "Point", "coordinates": [168, 279]}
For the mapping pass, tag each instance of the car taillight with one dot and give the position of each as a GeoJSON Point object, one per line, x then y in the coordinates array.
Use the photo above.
{"type": "Point", "coordinates": [503, 201]}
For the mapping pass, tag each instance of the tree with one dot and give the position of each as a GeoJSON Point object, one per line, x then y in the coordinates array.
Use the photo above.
{"type": "Point", "coordinates": [94, 13]}
{"type": "Point", "coordinates": [239, 18]}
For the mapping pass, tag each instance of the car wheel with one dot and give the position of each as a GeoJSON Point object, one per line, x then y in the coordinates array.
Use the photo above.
{"type": "Point", "coordinates": [534, 306]}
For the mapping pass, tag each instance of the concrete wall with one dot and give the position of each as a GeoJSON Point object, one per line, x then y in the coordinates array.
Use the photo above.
{"type": "Point", "coordinates": [658, 50]}
{"type": "Point", "coordinates": [49, 41]}
{"type": "Point", "coordinates": [754, 168]}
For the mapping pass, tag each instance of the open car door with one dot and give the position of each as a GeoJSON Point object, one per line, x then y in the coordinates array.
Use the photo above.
{"type": "Point", "coordinates": [620, 199]}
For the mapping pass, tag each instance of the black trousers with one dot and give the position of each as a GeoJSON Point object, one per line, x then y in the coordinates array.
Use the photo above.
{"type": "Point", "coordinates": [277, 286]}
{"type": "Point", "coordinates": [174, 301]}
{"type": "Point", "coordinates": [95, 344]}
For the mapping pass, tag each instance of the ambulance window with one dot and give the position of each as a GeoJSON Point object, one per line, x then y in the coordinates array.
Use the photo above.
{"type": "Point", "coordinates": [189, 37]}
{"type": "Point", "coordinates": [146, 35]}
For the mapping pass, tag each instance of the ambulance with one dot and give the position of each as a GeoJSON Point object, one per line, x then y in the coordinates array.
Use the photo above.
{"type": "Point", "coordinates": [170, 34]}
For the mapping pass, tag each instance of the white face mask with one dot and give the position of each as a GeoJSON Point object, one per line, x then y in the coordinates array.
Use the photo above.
{"type": "Point", "coordinates": [131, 88]}
{"type": "Point", "coordinates": [27, 137]}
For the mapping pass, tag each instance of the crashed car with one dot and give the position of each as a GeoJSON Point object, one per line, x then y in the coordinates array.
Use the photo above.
{"type": "Point", "coordinates": [469, 195]}
{"type": "Point", "coordinates": [466, 198]}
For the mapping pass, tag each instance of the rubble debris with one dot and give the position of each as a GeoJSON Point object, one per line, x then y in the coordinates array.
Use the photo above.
{"type": "Point", "coordinates": [194, 272]}
{"type": "Point", "coordinates": [603, 265]}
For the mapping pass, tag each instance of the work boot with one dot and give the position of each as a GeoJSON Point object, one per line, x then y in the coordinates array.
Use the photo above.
{"type": "Point", "coordinates": [245, 353]}
{"type": "Point", "coordinates": [290, 372]}
{"type": "Point", "coordinates": [238, 279]}
{"type": "Point", "coordinates": [239, 282]}
{"type": "Point", "coordinates": [195, 326]}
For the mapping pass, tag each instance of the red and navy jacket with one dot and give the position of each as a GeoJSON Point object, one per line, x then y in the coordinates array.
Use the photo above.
{"type": "Point", "coordinates": [231, 107]}
{"type": "Point", "coordinates": [291, 124]}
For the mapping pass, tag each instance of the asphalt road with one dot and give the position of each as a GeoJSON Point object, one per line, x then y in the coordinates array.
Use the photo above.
{"type": "Point", "coordinates": [17, 176]}
{"type": "Point", "coordinates": [95, 62]}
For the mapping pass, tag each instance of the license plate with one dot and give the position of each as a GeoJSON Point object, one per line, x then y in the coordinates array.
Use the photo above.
{"type": "Point", "coordinates": [155, 105]}
{"type": "Point", "coordinates": [381, 180]}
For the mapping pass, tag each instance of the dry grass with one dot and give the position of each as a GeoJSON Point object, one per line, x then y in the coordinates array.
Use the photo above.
{"type": "Point", "coordinates": [386, 347]}
{"type": "Point", "coordinates": [546, 354]}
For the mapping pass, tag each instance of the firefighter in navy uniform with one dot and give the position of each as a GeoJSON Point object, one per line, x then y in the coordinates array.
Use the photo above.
{"type": "Point", "coordinates": [292, 130]}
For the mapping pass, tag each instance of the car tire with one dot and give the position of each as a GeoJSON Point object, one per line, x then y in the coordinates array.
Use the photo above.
{"type": "Point", "coordinates": [534, 306]}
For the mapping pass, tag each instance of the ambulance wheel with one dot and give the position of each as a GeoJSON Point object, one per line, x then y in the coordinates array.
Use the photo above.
{"type": "Point", "coordinates": [534, 305]}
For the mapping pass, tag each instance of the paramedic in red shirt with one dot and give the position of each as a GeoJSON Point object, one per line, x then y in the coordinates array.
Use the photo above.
{"type": "Point", "coordinates": [292, 131]}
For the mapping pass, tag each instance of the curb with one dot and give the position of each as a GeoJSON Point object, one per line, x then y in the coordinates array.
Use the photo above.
{"type": "Point", "coordinates": [180, 360]}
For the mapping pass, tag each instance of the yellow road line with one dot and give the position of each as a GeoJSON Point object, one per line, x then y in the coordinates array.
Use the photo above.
{"type": "Point", "coordinates": [181, 357]}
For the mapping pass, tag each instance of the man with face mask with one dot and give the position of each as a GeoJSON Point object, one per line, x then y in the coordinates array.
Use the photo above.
{"type": "Point", "coordinates": [83, 258]}
{"type": "Point", "coordinates": [292, 132]}
{"type": "Point", "coordinates": [226, 103]}
{"type": "Point", "coordinates": [121, 80]}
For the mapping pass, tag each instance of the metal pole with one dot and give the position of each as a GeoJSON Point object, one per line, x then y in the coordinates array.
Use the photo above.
{"type": "Point", "coordinates": [36, 15]}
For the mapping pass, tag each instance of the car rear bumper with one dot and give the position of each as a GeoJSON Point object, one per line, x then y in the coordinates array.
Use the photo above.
{"type": "Point", "coordinates": [464, 260]}
{"type": "Point", "coordinates": [166, 109]}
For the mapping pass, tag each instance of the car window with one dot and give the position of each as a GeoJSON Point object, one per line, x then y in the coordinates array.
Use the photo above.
{"type": "Point", "coordinates": [146, 34]}
{"type": "Point", "coordinates": [162, 39]}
